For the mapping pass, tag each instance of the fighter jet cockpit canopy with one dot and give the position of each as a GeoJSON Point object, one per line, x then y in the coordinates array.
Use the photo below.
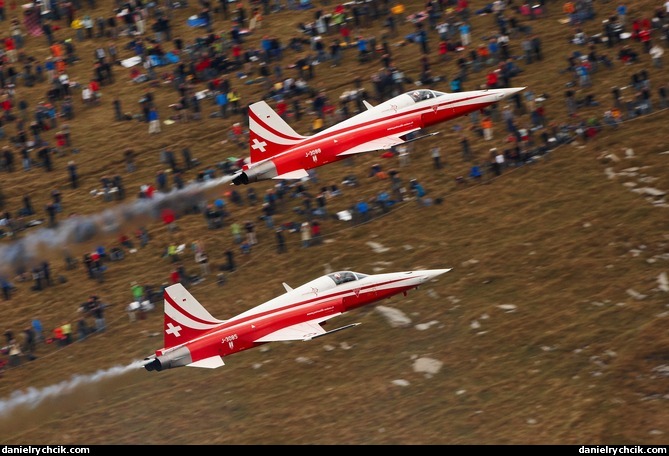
{"type": "Point", "coordinates": [424, 94]}
{"type": "Point", "coordinates": [345, 276]}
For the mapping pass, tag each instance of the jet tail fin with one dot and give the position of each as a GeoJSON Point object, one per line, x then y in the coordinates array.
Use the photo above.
{"type": "Point", "coordinates": [185, 318]}
{"type": "Point", "coordinates": [269, 134]}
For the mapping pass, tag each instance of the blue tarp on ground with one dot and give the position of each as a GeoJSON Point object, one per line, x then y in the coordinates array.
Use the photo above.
{"type": "Point", "coordinates": [166, 60]}
{"type": "Point", "coordinates": [172, 58]}
{"type": "Point", "coordinates": [196, 21]}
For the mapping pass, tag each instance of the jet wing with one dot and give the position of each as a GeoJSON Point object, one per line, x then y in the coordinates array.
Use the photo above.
{"type": "Point", "coordinates": [301, 331]}
{"type": "Point", "coordinates": [208, 363]}
{"type": "Point", "coordinates": [297, 174]}
{"type": "Point", "coordinates": [379, 144]}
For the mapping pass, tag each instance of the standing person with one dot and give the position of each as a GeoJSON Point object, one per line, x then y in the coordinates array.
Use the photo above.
{"type": "Point", "coordinates": [6, 289]}
{"type": "Point", "coordinates": [28, 343]}
{"type": "Point", "coordinates": [236, 230]}
{"type": "Point", "coordinates": [118, 113]}
{"type": "Point", "coordinates": [99, 314]}
{"type": "Point", "coordinates": [250, 228]}
{"type": "Point", "coordinates": [536, 47]}
{"type": "Point", "coordinates": [465, 36]}
{"type": "Point", "coordinates": [51, 212]}
{"type": "Point", "coordinates": [82, 328]}
{"type": "Point", "coordinates": [154, 121]}
{"type": "Point", "coordinates": [486, 124]}
{"type": "Point", "coordinates": [36, 324]}
{"type": "Point", "coordinates": [202, 259]}
{"type": "Point", "coordinates": [305, 234]}
{"type": "Point", "coordinates": [315, 232]}
{"type": "Point", "coordinates": [466, 150]}
{"type": "Point", "coordinates": [14, 351]}
{"type": "Point", "coordinates": [74, 177]}
{"type": "Point", "coordinates": [231, 260]}
{"type": "Point", "coordinates": [187, 157]}
{"type": "Point", "coordinates": [137, 292]}
{"type": "Point", "coordinates": [280, 240]}
{"type": "Point", "coordinates": [656, 53]}
{"type": "Point", "coordinates": [129, 156]}
{"type": "Point", "coordinates": [436, 157]}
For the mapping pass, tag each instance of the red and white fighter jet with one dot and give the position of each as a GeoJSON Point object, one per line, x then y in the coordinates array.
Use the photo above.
{"type": "Point", "coordinates": [278, 152]}
{"type": "Point", "coordinates": [194, 338]}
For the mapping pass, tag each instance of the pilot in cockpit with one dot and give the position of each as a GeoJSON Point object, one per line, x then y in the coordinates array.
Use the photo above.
{"type": "Point", "coordinates": [343, 277]}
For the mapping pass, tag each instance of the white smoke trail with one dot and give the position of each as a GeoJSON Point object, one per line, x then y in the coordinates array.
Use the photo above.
{"type": "Point", "coordinates": [31, 398]}
{"type": "Point", "coordinates": [38, 245]}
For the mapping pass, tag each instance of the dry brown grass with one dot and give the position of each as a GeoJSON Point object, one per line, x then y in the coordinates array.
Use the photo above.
{"type": "Point", "coordinates": [577, 362]}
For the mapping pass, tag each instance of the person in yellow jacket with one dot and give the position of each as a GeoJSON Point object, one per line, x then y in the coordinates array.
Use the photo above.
{"type": "Point", "coordinates": [233, 99]}
{"type": "Point", "coordinates": [67, 333]}
{"type": "Point", "coordinates": [78, 26]}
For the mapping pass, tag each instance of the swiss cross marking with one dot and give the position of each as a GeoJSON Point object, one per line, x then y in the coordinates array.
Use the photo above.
{"type": "Point", "coordinates": [175, 330]}
{"type": "Point", "coordinates": [259, 145]}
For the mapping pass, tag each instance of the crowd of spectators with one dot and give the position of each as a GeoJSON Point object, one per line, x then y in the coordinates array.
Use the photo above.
{"type": "Point", "coordinates": [207, 72]}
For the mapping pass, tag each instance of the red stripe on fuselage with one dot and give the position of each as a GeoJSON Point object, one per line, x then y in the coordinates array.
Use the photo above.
{"type": "Point", "coordinates": [326, 150]}
{"type": "Point", "coordinates": [416, 111]}
{"type": "Point", "coordinates": [312, 300]}
{"type": "Point", "coordinates": [371, 122]}
{"type": "Point", "coordinates": [201, 348]}
{"type": "Point", "coordinates": [307, 143]}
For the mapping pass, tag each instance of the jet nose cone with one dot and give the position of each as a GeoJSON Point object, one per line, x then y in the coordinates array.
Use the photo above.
{"type": "Point", "coordinates": [506, 93]}
{"type": "Point", "coordinates": [430, 274]}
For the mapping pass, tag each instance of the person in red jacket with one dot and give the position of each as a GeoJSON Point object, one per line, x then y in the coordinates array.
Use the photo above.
{"type": "Point", "coordinates": [10, 49]}
{"type": "Point", "coordinates": [644, 37]}
{"type": "Point", "coordinates": [94, 85]}
{"type": "Point", "coordinates": [282, 108]}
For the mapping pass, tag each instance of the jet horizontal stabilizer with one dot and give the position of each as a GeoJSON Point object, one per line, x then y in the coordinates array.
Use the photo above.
{"type": "Point", "coordinates": [421, 137]}
{"type": "Point", "coordinates": [333, 330]}
{"type": "Point", "coordinates": [297, 174]}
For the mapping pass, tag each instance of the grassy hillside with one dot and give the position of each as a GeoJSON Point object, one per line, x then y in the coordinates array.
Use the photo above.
{"type": "Point", "coordinates": [551, 327]}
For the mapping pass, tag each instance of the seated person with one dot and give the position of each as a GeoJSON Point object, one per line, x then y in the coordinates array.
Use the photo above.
{"type": "Point", "coordinates": [137, 76]}
{"type": "Point", "coordinates": [628, 55]}
{"type": "Point", "coordinates": [475, 173]}
{"type": "Point", "coordinates": [580, 37]}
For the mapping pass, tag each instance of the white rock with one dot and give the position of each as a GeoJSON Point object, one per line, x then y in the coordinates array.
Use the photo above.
{"type": "Point", "coordinates": [428, 366]}
{"type": "Point", "coordinates": [507, 307]}
{"type": "Point", "coordinates": [345, 346]}
{"type": "Point", "coordinates": [395, 317]}
{"type": "Point", "coordinates": [376, 247]}
{"type": "Point", "coordinates": [636, 294]}
{"type": "Point", "coordinates": [303, 360]}
{"type": "Point", "coordinates": [424, 326]}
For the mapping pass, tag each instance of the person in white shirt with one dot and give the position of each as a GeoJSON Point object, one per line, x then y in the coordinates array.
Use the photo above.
{"type": "Point", "coordinates": [86, 95]}
{"type": "Point", "coordinates": [656, 52]}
